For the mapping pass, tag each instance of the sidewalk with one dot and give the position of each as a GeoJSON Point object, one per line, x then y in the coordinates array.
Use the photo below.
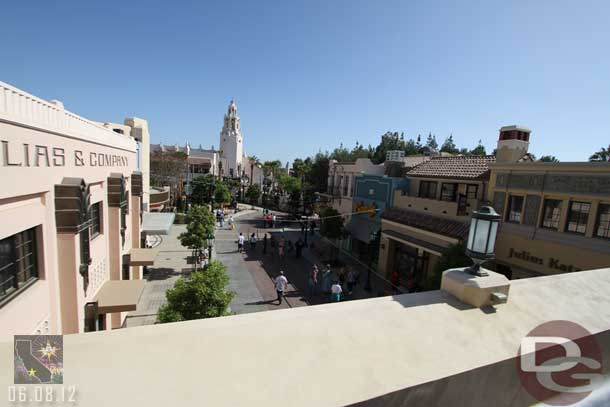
{"type": "Point", "coordinates": [170, 265]}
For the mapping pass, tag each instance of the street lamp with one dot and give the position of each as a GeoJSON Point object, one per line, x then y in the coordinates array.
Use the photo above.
{"type": "Point", "coordinates": [244, 182]}
{"type": "Point", "coordinates": [482, 238]}
{"type": "Point", "coordinates": [210, 245]}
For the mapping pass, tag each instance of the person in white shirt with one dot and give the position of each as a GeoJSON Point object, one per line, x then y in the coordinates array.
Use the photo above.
{"type": "Point", "coordinates": [280, 286]}
{"type": "Point", "coordinates": [336, 291]}
{"type": "Point", "coordinates": [240, 242]}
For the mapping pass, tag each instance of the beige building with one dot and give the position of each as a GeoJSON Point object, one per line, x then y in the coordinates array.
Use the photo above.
{"type": "Point", "coordinates": [556, 217]}
{"type": "Point", "coordinates": [70, 217]}
{"type": "Point", "coordinates": [435, 212]}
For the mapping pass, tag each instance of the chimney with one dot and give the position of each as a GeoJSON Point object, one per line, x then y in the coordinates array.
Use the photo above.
{"type": "Point", "coordinates": [512, 143]}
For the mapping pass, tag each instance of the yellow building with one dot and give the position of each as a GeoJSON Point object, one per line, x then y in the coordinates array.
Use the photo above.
{"type": "Point", "coordinates": [556, 217]}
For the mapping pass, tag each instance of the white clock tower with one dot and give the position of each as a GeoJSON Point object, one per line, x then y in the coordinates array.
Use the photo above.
{"type": "Point", "coordinates": [232, 143]}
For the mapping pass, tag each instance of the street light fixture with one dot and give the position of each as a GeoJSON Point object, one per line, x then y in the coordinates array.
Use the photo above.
{"type": "Point", "coordinates": [482, 239]}
{"type": "Point", "coordinates": [210, 245]}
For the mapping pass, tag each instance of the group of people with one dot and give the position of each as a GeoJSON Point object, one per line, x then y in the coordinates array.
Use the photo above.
{"type": "Point", "coordinates": [220, 218]}
{"type": "Point", "coordinates": [203, 258]}
{"type": "Point", "coordinates": [269, 220]}
{"type": "Point", "coordinates": [272, 245]}
{"type": "Point", "coordinates": [330, 284]}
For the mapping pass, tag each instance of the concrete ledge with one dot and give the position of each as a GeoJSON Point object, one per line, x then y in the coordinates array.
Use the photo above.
{"type": "Point", "coordinates": [474, 290]}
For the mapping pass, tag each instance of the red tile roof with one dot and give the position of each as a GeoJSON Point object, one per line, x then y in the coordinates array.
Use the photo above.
{"type": "Point", "coordinates": [456, 167]}
{"type": "Point", "coordinates": [430, 223]}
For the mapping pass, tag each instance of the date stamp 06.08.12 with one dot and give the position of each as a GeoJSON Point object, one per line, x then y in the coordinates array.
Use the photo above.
{"type": "Point", "coordinates": [38, 372]}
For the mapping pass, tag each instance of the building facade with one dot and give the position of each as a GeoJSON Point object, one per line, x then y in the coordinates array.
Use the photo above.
{"type": "Point", "coordinates": [342, 182]}
{"type": "Point", "coordinates": [70, 218]}
{"type": "Point", "coordinates": [435, 212]}
{"type": "Point", "coordinates": [555, 217]}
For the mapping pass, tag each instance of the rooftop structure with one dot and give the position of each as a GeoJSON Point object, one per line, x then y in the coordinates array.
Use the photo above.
{"type": "Point", "coordinates": [424, 349]}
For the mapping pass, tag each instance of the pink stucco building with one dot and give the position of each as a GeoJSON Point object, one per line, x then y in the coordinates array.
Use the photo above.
{"type": "Point", "coordinates": [71, 203]}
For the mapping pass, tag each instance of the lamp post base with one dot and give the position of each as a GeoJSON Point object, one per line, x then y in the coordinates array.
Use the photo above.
{"type": "Point", "coordinates": [476, 270]}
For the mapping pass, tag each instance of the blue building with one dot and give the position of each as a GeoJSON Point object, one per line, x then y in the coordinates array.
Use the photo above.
{"type": "Point", "coordinates": [372, 195]}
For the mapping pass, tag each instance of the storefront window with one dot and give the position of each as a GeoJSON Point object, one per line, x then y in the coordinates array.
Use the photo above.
{"type": "Point", "coordinates": [603, 221]}
{"type": "Point", "coordinates": [18, 263]}
{"type": "Point", "coordinates": [550, 216]}
{"type": "Point", "coordinates": [578, 216]}
{"type": "Point", "coordinates": [96, 219]}
{"type": "Point", "coordinates": [427, 189]}
{"type": "Point", "coordinates": [515, 208]}
{"type": "Point", "coordinates": [448, 192]}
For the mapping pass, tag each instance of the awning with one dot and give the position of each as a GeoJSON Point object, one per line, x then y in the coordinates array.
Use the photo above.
{"type": "Point", "coordinates": [361, 228]}
{"type": "Point", "coordinates": [142, 257]}
{"type": "Point", "coordinates": [157, 223]}
{"type": "Point", "coordinates": [119, 295]}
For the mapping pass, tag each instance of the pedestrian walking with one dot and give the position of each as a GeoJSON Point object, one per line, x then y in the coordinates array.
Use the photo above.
{"type": "Point", "coordinates": [290, 246]}
{"type": "Point", "coordinates": [265, 244]}
{"type": "Point", "coordinates": [253, 241]}
{"type": "Point", "coordinates": [336, 291]}
{"type": "Point", "coordinates": [326, 279]}
{"type": "Point", "coordinates": [273, 219]}
{"type": "Point", "coordinates": [222, 219]}
{"type": "Point", "coordinates": [280, 247]}
{"type": "Point", "coordinates": [230, 222]}
{"type": "Point", "coordinates": [351, 281]}
{"type": "Point", "coordinates": [240, 242]}
{"type": "Point", "coordinates": [272, 243]}
{"type": "Point", "coordinates": [342, 276]}
{"type": "Point", "coordinates": [312, 281]}
{"type": "Point", "coordinates": [280, 286]}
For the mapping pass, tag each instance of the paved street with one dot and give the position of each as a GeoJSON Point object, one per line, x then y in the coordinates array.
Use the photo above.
{"type": "Point", "coordinates": [250, 273]}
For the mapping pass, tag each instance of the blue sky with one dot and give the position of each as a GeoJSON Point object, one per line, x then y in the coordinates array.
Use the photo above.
{"type": "Point", "coordinates": [308, 75]}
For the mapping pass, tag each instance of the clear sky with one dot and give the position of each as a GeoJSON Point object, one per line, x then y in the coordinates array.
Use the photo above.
{"type": "Point", "coordinates": [307, 75]}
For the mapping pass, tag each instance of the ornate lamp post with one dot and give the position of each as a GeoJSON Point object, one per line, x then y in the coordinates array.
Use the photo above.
{"type": "Point", "coordinates": [482, 238]}
{"type": "Point", "coordinates": [244, 182]}
{"type": "Point", "coordinates": [210, 245]}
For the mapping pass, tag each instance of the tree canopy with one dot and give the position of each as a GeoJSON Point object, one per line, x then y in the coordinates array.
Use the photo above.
{"type": "Point", "coordinates": [602, 155]}
{"type": "Point", "coordinates": [222, 194]}
{"type": "Point", "coordinates": [200, 224]}
{"type": "Point", "coordinates": [331, 225]}
{"type": "Point", "coordinates": [205, 295]}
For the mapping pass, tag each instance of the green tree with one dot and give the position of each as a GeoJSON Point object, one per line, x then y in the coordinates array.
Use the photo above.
{"type": "Point", "coordinates": [431, 142]}
{"type": "Point", "coordinates": [452, 257]}
{"type": "Point", "coordinates": [202, 188]}
{"type": "Point", "coordinates": [602, 155]}
{"type": "Point", "coordinates": [288, 184]}
{"type": "Point", "coordinates": [253, 193]}
{"type": "Point", "coordinates": [389, 141]}
{"type": "Point", "coordinates": [549, 159]}
{"type": "Point", "coordinates": [341, 154]}
{"type": "Point", "coordinates": [222, 194]}
{"type": "Point", "coordinates": [294, 201]}
{"type": "Point", "coordinates": [200, 224]}
{"type": "Point", "coordinates": [205, 295]}
{"type": "Point", "coordinates": [479, 149]}
{"type": "Point", "coordinates": [449, 146]}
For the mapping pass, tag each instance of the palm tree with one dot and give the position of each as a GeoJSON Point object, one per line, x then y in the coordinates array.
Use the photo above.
{"type": "Point", "coordinates": [601, 155]}
{"type": "Point", "coordinates": [253, 161]}
{"type": "Point", "coordinates": [549, 159]}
